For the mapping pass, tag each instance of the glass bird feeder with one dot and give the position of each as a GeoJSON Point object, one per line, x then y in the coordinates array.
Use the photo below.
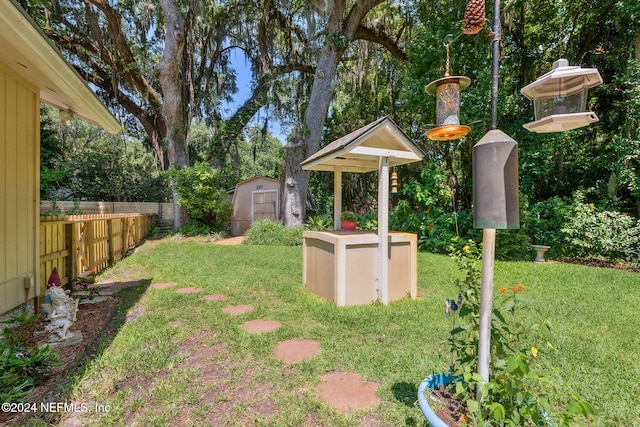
{"type": "Point", "coordinates": [447, 92]}
{"type": "Point", "coordinates": [560, 98]}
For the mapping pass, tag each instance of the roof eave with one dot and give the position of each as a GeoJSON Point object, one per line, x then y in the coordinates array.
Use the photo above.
{"type": "Point", "coordinates": [33, 56]}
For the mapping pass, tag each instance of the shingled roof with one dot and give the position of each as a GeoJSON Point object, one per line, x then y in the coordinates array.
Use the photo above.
{"type": "Point", "coordinates": [361, 150]}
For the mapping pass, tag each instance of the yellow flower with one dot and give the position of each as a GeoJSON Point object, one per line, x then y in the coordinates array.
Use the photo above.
{"type": "Point", "coordinates": [521, 287]}
{"type": "Point", "coordinates": [512, 288]}
{"type": "Point", "coordinates": [502, 290]}
{"type": "Point", "coordinates": [466, 248]}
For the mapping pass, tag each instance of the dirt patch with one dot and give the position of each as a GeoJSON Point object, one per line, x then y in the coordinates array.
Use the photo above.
{"type": "Point", "coordinates": [162, 285]}
{"type": "Point", "coordinates": [260, 325]}
{"type": "Point", "coordinates": [232, 241]}
{"type": "Point", "coordinates": [237, 309]}
{"type": "Point", "coordinates": [214, 297]}
{"type": "Point", "coordinates": [296, 350]}
{"type": "Point", "coordinates": [446, 406]}
{"type": "Point", "coordinates": [189, 290]}
{"type": "Point", "coordinates": [347, 392]}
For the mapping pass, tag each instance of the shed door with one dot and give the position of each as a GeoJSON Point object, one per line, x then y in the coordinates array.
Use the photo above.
{"type": "Point", "coordinates": [265, 205]}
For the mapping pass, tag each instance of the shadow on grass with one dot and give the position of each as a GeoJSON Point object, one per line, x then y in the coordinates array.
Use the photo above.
{"type": "Point", "coordinates": [407, 393]}
{"type": "Point", "coordinates": [61, 392]}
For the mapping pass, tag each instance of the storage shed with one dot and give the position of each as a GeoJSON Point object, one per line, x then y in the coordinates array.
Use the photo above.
{"type": "Point", "coordinates": [254, 199]}
{"type": "Point", "coordinates": [31, 70]}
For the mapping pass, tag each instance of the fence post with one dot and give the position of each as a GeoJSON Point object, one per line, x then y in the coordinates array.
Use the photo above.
{"type": "Point", "coordinates": [110, 240]}
{"type": "Point", "coordinates": [88, 244]}
{"type": "Point", "coordinates": [74, 254]}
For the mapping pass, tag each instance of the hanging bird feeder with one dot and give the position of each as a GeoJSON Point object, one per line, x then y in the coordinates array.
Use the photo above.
{"type": "Point", "coordinates": [447, 92]}
{"type": "Point", "coordinates": [394, 182]}
{"type": "Point", "coordinates": [560, 98]}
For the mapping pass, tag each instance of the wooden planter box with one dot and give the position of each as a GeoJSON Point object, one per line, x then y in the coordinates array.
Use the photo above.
{"type": "Point", "coordinates": [342, 266]}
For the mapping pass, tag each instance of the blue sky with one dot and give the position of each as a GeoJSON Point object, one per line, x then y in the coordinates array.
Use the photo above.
{"type": "Point", "coordinates": [243, 81]}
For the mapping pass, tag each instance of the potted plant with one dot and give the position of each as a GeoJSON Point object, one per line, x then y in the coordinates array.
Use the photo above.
{"type": "Point", "coordinates": [348, 220]}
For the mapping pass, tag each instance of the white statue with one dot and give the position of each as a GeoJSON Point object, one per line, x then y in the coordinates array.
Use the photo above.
{"type": "Point", "coordinates": [62, 314]}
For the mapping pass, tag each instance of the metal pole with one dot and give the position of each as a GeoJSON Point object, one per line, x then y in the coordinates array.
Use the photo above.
{"type": "Point", "coordinates": [489, 234]}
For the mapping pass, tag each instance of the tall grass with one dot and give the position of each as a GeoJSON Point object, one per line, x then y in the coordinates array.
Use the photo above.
{"type": "Point", "coordinates": [593, 313]}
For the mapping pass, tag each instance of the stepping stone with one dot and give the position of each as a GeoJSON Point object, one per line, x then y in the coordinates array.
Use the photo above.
{"type": "Point", "coordinates": [260, 325]}
{"type": "Point", "coordinates": [296, 350]}
{"type": "Point", "coordinates": [189, 290]}
{"type": "Point", "coordinates": [162, 285]}
{"type": "Point", "coordinates": [237, 309]}
{"type": "Point", "coordinates": [214, 297]}
{"type": "Point", "coordinates": [347, 392]}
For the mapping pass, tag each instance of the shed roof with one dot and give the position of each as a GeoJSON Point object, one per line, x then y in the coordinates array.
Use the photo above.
{"type": "Point", "coordinates": [28, 51]}
{"type": "Point", "coordinates": [361, 150]}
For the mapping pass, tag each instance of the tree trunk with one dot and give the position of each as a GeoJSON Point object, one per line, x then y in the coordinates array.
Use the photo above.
{"type": "Point", "coordinates": [307, 140]}
{"type": "Point", "coordinates": [342, 28]}
{"type": "Point", "coordinates": [174, 106]}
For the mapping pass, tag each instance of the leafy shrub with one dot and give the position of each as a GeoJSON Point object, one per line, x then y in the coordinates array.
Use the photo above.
{"type": "Point", "coordinates": [421, 211]}
{"type": "Point", "coordinates": [201, 194]}
{"type": "Point", "coordinates": [21, 368]}
{"type": "Point", "coordinates": [543, 222]}
{"type": "Point", "coordinates": [319, 223]}
{"type": "Point", "coordinates": [193, 228]}
{"type": "Point", "coordinates": [267, 232]}
{"type": "Point", "coordinates": [516, 393]}
{"type": "Point", "coordinates": [610, 235]}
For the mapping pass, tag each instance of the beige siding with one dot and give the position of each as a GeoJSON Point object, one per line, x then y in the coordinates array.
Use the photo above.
{"type": "Point", "coordinates": [19, 189]}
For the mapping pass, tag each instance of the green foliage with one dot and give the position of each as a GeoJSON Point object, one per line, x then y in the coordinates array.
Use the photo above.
{"type": "Point", "coordinates": [348, 216]}
{"type": "Point", "coordinates": [267, 232]}
{"type": "Point", "coordinates": [543, 221]}
{"type": "Point", "coordinates": [601, 234]}
{"type": "Point", "coordinates": [517, 393]}
{"type": "Point", "coordinates": [80, 161]}
{"type": "Point", "coordinates": [200, 193]}
{"type": "Point", "coordinates": [258, 153]}
{"type": "Point", "coordinates": [319, 223]}
{"type": "Point", "coordinates": [193, 228]}
{"type": "Point", "coordinates": [21, 368]}
{"type": "Point", "coordinates": [422, 210]}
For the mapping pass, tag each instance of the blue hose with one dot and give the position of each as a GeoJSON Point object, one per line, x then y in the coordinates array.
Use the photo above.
{"type": "Point", "coordinates": [431, 382]}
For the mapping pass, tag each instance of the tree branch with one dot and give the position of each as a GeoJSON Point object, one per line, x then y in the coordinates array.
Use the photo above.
{"type": "Point", "coordinates": [381, 38]}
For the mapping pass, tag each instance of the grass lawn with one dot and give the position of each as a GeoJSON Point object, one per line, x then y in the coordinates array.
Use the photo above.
{"type": "Point", "coordinates": [147, 375]}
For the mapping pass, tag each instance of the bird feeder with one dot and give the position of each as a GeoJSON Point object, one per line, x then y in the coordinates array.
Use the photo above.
{"type": "Point", "coordinates": [560, 98]}
{"type": "Point", "coordinates": [447, 92]}
{"type": "Point", "coordinates": [394, 182]}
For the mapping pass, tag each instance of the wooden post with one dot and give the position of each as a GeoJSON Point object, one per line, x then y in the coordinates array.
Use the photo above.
{"type": "Point", "coordinates": [110, 240]}
{"type": "Point", "coordinates": [337, 197]}
{"type": "Point", "coordinates": [74, 254]}
{"type": "Point", "coordinates": [383, 230]}
{"type": "Point", "coordinates": [88, 244]}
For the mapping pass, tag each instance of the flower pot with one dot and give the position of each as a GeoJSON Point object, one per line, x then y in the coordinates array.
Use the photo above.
{"type": "Point", "coordinates": [349, 225]}
{"type": "Point", "coordinates": [429, 383]}
{"type": "Point", "coordinates": [540, 250]}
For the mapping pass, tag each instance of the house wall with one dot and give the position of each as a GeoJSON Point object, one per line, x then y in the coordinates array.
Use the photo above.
{"type": "Point", "coordinates": [245, 194]}
{"type": "Point", "coordinates": [19, 190]}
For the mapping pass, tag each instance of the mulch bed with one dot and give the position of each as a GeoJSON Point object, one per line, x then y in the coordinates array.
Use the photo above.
{"type": "Point", "coordinates": [91, 319]}
{"type": "Point", "coordinates": [626, 266]}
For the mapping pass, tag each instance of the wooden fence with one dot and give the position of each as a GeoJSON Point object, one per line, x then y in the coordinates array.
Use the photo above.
{"type": "Point", "coordinates": [163, 210]}
{"type": "Point", "coordinates": [81, 244]}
